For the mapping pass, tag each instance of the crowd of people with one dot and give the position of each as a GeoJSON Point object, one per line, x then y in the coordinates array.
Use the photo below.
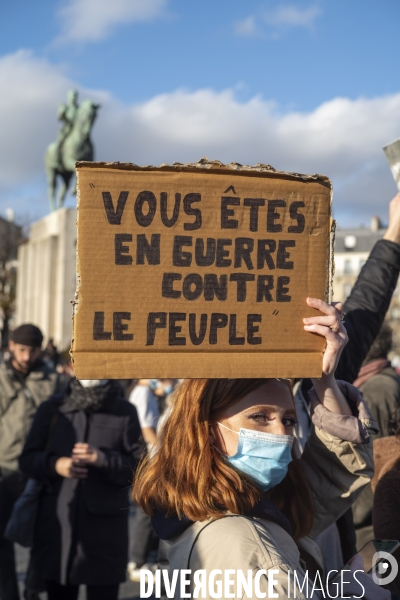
{"type": "Point", "coordinates": [80, 442]}
{"type": "Point", "coordinates": [221, 474]}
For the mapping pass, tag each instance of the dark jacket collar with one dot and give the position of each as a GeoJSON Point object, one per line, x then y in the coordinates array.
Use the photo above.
{"type": "Point", "coordinates": [169, 527]}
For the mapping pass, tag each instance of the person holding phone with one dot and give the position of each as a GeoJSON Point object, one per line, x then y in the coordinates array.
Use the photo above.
{"type": "Point", "coordinates": [227, 489]}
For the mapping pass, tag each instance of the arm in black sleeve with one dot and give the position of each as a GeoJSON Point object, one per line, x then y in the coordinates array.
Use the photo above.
{"type": "Point", "coordinates": [120, 467]}
{"type": "Point", "coordinates": [35, 460]}
{"type": "Point", "coordinates": [367, 305]}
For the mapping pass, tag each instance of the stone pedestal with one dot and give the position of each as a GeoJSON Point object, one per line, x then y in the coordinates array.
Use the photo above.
{"type": "Point", "coordinates": [47, 276]}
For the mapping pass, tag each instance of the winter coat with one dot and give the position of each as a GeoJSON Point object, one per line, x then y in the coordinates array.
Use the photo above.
{"type": "Point", "coordinates": [18, 405]}
{"type": "Point", "coordinates": [386, 485]}
{"type": "Point", "coordinates": [81, 533]}
{"type": "Point", "coordinates": [382, 395]}
{"type": "Point", "coordinates": [338, 462]}
{"type": "Point", "coordinates": [367, 305]}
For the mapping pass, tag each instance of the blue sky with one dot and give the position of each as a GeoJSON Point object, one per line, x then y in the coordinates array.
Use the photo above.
{"type": "Point", "coordinates": [308, 85]}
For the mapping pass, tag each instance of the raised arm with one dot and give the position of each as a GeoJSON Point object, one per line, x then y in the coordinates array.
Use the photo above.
{"type": "Point", "coordinates": [367, 305]}
{"type": "Point", "coordinates": [329, 325]}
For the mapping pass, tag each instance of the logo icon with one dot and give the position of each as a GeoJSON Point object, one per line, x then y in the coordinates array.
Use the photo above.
{"type": "Point", "coordinates": [382, 561]}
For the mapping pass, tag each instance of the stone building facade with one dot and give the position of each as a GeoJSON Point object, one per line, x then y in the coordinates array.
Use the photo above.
{"type": "Point", "coordinates": [47, 276]}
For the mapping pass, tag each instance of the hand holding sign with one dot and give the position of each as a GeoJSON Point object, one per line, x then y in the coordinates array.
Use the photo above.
{"type": "Point", "coordinates": [330, 327]}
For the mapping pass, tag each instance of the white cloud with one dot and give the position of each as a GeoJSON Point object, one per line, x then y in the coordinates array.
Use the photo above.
{"type": "Point", "coordinates": [29, 89]}
{"type": "Point", "coordinates": [341, 138]}
{"type": "Point", "coordinates": [292, 16]}
{"type": "Point", "coordinates": [246, 27]}
{"type": "Point", "coordinates": [276, 20]}
{"type": "Point", "coordinates": [93, 20]}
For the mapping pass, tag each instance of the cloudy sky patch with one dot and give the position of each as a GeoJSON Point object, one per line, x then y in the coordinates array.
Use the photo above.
{"type": "Point", "coordinates": [94, 20]}
{"type": "Point", "coordinates": [297, 84]}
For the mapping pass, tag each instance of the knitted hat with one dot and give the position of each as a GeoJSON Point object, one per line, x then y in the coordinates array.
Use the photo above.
{"type": "Point", "coordinates": [28, 335]}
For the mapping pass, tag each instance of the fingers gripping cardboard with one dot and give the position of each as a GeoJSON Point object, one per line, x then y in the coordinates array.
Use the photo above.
{"type": "Point", "coordinates": [199, 270]}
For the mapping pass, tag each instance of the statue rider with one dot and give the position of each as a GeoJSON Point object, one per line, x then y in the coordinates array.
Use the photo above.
{"type": "Point", "coordinates": [66, 114]}
{"type": "Point", "coordinates": [73, 143]}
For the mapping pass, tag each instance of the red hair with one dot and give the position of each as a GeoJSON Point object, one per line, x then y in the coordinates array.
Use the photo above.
{"type": "Point", "coordinates": [188, 476]}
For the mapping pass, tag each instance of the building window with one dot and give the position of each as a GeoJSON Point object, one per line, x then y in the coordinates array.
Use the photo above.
{"type": "Point", "coordinates": [347, 267]}
{"type": "Point", "coordinates": [350, 242]}
{"type": "Point", "coordinates": [347, 289]}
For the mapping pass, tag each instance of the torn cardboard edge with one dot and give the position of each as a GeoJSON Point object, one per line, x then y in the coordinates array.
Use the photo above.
{"type": "Point", "coordinates": [243, 364]}
{"type": "Point", "coordinates": [204, 164]}
{"type": "Point", "coordinates": [330, 267]}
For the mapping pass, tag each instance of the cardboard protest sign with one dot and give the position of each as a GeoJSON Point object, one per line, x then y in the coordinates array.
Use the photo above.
{"type": "Point", "coordinates": [199, 270]}
{"type": "Point", "coordinates": [392, 152]}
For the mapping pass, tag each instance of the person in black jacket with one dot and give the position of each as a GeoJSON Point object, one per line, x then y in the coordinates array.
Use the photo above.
{"type": "Point", "coordinates": [83, 447]}
{"type": "Point", "coordinates": [367, 305]}
{"type": "Point", "coordinates": [365, 310]}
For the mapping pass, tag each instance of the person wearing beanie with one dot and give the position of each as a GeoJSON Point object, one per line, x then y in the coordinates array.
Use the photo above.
{"type": "Point", "coordinates": [25, 382]}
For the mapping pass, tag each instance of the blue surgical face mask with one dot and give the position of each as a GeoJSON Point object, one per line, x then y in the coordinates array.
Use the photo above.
{"type": "Point", "coordinates": [265, 457]}
{"type": "Point", "coordinates": [168, 389]}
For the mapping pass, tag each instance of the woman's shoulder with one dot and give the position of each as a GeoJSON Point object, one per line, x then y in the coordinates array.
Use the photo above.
{"type": "Point", "coordinates": [239, 540]}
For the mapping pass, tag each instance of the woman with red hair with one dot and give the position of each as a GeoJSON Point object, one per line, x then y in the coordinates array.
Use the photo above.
{"type": "Point", "coordinates": [229, 494]}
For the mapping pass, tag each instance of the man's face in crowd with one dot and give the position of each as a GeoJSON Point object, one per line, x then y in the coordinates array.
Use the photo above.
{"type": "Point", "coordinates": [24, 357]}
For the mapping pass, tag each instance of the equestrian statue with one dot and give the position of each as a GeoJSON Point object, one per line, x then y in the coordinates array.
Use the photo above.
{"type": "Point", "coordinates": [73, 143]}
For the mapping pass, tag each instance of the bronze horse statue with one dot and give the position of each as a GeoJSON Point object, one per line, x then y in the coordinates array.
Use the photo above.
{"type": "Point", "coordinates": [73, 144]}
